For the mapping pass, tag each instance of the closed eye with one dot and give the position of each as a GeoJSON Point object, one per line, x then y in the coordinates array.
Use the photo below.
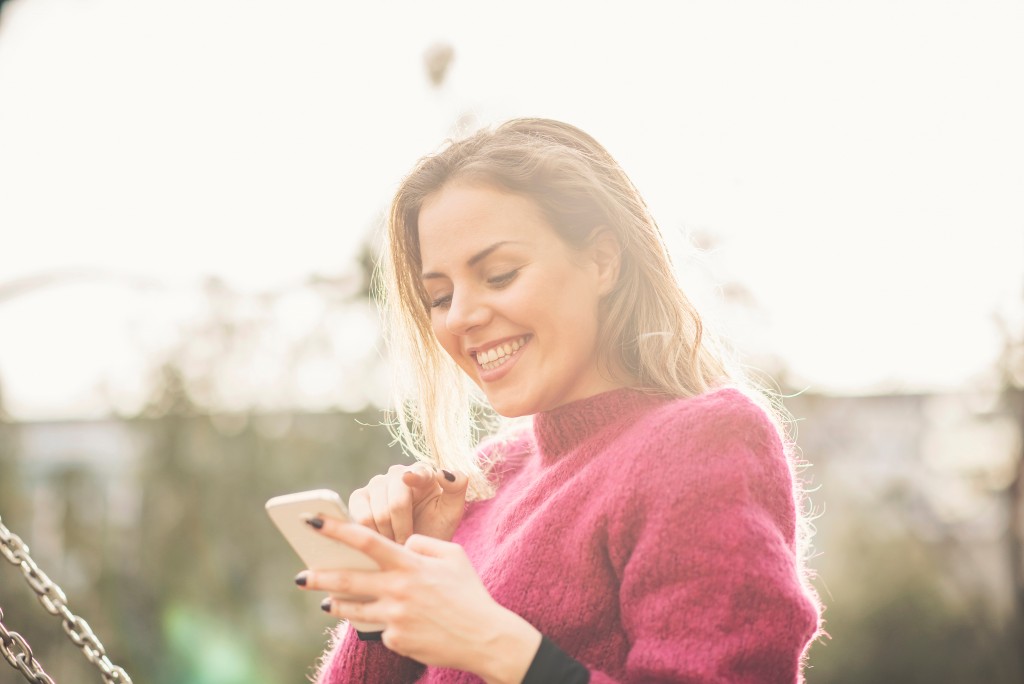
{"type": "Point", "coordinates": [498, 281]}
{"type": "Point", "coordinates": [503, 279]}
{"type": "Point", "coordinates": [441, 302]}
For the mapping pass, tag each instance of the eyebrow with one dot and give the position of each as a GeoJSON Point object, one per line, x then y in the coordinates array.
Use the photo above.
{"type": "Point", "coordinates": [473, 260]}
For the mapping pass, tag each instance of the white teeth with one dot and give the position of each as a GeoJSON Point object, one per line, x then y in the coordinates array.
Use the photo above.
{"type": "Point", "coordinates": [494, 364]}
{"type": "Point", "coordinates": [496, 356]}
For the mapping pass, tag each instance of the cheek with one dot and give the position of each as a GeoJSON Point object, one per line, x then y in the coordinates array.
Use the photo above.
{"type": "Point", "coordinates": [441, 333]}
{"type": "Point", "coordinates": [449, 342]}
{"type": "Point", "coordinates": [572, 297]}
{"type": "Point", "coordinates": [577, 321]}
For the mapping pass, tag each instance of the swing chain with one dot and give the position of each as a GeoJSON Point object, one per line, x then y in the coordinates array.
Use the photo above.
{"type": "Point", "coordinates": [54, 601]}
{"type": "Point", "coordinates": [18, 653]}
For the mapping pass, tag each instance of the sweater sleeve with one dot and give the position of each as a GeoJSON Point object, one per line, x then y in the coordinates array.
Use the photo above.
{"type": "Point", "coordinates": [552, 664]}
{"type": "Point", "coordinates": [703, 539]}
{"type": "Point", "coordinates": [351, 660]}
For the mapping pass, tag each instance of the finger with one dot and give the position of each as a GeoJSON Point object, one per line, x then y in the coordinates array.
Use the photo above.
{"type": "Point", "coordinates": [400, 506]}
{"type": "Point", "coordinates": [418, 476]}
{"type": "Point", "coordinates": [379, 506]}
{"type": "Point", "coordinates": [359, 509]}
{"type": "Point", "coordinates": [434, 548]}
{"type": "Point", "coordinates": [384, 551]}
{"type": "Point", "coordinates": [368, 583]}
{"type": "Point", "coordinates": [355, 611]}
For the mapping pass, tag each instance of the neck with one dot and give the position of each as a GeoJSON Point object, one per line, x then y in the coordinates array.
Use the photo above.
{"type": "Point", "coordinates": [561, 430]}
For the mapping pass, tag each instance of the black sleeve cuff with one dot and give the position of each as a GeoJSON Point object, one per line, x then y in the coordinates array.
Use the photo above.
{"type": "Point", "coordinates": [552, 664]}
{"type": "Point", "coordinates": [368, 636]}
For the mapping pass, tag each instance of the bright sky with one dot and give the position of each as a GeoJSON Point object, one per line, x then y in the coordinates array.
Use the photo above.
{"type": "Point", "coordinates": [860, 165]}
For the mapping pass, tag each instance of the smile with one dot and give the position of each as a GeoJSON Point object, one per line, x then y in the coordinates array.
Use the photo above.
{"type": "Point", "coordinates": [499, 355]}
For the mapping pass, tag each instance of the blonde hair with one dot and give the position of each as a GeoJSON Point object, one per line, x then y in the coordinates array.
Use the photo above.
{"type": "Point", "coordinates": [648, 324]}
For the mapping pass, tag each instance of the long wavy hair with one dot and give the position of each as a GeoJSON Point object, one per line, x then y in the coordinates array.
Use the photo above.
{"type": "Point", "coordinates": [648, 325]}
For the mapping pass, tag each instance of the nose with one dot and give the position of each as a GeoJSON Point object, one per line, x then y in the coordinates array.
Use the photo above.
{"type": "Point", "coordinates": [466, 312]}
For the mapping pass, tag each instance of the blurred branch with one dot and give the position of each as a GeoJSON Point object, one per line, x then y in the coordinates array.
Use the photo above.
{"type": "Point", "coordinates": [20, 286]}
{"type": "Point", "coordinates": [343, 286]}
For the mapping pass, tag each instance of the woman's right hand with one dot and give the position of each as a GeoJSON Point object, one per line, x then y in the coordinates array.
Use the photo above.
{"type": "Point", "coordinates": [411, 500]}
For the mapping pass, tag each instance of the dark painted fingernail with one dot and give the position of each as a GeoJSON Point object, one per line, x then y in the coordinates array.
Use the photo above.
{"type": "Point", "coordinates": [318, 523]}
{"type": "Point", "coordinates": [325, 605]}
{"type": "Point", "coordinates": [448, 476]}
{"type": "Point", "coordinates": [300, 579]}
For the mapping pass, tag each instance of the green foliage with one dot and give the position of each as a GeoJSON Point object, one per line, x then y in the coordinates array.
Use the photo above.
{"type": "Point", "coordinates": [196, 586]}
{"type": "Point", "coordinates": [893, 616]}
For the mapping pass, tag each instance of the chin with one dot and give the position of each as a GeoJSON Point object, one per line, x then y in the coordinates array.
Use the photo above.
{"type": "Point", "coordinates": [512, 407]}
{"type": "Point", "coordinates": [510, 410]}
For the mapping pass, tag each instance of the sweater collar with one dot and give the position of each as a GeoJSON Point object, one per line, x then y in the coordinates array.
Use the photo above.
{"type": "Point", "coordinates": [566, 427]}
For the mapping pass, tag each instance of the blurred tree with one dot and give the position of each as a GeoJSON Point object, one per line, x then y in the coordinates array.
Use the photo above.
{"type": "Point", "coordinates": [213, 576]}
{"type": "Point", "coordinates": [215, 572]}
{"type": "Point", "coordinates": [1011, 373]}
{"type": "Point", "coordinates": [895, 620]}
{"type": "Point", "coordinates": [10, 478]}
{"type": "Point", "coordinates": [194, 584]}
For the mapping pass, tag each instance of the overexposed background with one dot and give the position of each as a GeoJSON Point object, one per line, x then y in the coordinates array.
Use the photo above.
{"type": "Point", "coordinates": [854, 168]}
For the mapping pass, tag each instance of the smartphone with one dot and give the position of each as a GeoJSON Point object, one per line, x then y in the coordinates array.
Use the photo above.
{"type": "Point", "coordinates": [290, 512]}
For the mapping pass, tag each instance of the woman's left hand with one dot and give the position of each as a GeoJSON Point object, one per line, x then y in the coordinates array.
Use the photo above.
{"type": "Point", "coordinates": [434, 606]}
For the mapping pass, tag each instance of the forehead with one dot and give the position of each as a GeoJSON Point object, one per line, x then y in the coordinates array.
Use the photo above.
{"type": "Point", "coordinates": [461, 219]}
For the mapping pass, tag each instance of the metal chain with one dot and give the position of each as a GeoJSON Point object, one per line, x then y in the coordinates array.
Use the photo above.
{"type": "Point", "coordinates": [56, 603]}
{"type": "Point", "coordinates": [18, 653]}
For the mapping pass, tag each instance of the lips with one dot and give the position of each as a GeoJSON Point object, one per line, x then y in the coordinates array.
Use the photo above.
{"type": "Point", "coordinates": [499, 354]}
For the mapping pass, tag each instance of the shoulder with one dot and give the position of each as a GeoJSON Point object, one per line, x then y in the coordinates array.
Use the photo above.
{"type": "Point", "coordinates": [724, 419]}
{"type": "Point", "coordinates": [719, 444]}
{"type": "Point", "coordinates": [507, 450]}
{"type": "Point", "coordinates": [706, 463]}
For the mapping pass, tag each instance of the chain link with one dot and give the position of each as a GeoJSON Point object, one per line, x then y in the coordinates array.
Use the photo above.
{"type": "Point", "coordinates": [17, 651]}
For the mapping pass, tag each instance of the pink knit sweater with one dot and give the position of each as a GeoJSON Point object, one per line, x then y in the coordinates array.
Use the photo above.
{"type": "Point", "coordinates": [651, 539]}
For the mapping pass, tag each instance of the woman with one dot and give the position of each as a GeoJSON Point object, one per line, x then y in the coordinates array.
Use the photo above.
{"type": "Point", "coordinates": [643, 527]}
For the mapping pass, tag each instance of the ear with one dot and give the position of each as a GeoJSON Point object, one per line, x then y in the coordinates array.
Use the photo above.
{"type": "Point", "coordinates": [606, 253]}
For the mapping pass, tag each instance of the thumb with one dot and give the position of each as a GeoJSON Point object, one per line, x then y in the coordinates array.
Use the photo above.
{"type": "Point", "coordinates": [453, 488]}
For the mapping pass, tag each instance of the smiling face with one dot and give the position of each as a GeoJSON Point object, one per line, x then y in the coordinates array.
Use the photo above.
{"type": "Point", "coordinates": [510, 301]}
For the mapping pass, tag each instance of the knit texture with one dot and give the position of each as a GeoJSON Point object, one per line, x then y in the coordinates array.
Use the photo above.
{"type": "Point", "coordinates": [652, 539]}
